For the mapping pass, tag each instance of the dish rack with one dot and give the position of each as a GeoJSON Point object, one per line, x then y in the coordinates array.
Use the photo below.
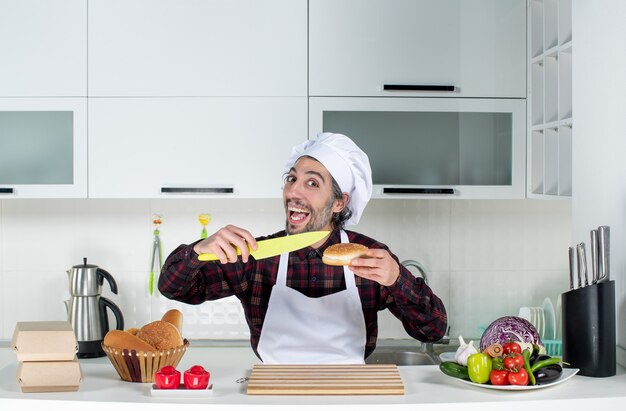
{"type": "Point", "coordinates": [554, 348]}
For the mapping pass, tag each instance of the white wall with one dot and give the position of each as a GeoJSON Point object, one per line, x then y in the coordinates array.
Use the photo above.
{"type": "Point", "coordinates": [599, 135]}
{"type": "Point", "coordinates": [484, 258]}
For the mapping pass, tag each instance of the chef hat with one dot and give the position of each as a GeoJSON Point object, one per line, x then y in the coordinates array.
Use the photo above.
{"type": "Point", "coordinates": [346, 162]}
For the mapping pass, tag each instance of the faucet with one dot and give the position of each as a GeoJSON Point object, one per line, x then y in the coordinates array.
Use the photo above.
{"type": "Point", "coordinates": [420, 268]}
{"type": "Point", "coordinates": [427, 347]}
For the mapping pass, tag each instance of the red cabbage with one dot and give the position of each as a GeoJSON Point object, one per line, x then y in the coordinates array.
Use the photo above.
{"type": "Point", "coordinates": [509, 328]}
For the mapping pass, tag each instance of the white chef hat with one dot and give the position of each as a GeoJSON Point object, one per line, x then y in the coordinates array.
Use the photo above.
{"type": "Point", "coordinates": [346, 162]}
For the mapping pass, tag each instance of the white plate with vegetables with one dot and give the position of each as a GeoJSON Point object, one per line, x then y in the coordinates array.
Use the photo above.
{"type": "Point", "coordinates": [565, 375]}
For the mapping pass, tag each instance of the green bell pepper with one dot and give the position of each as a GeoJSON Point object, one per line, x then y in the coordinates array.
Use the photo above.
{"type": "Point", "coordinates": [479, 367]}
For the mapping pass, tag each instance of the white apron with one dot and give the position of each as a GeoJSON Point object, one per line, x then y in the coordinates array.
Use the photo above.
{"type": "Point", "coordinates": [302, 330]}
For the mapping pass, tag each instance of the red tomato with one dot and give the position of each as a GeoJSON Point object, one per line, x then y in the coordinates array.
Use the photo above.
{"type": "Point", "coordinates": [167, 378]}
{"type": "Point", "coordinates": [518, 378]}
{"type": "Point", "coordinates": [499, 377]}
{"type": "Point", "coordinates": [196, 378]}
{"type": "Point", "coordinates": [513, 362]}
{"type": "Point", "coordinates": [511, 347]}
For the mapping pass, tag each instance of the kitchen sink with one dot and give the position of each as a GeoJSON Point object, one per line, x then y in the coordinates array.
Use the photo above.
{"type": "Point", "coordinates": [399, 357]}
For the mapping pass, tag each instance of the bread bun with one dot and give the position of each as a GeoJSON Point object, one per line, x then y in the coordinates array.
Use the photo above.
{"type": "Point", "coordinates": [161, 335]}
{"type": "Point", "coordinates": [175, 318]}
{"type": "Point", "coordinates": [125, 340]}
{"type": "Point", "coordinates": [343, 253]}
{"type": "Point", "coordinates": [133, 330]}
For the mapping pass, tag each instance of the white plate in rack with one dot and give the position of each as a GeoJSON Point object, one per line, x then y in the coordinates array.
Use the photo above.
{"type": "Point", "coordinates": [550, 317]}
{"type": "Point", "coordinates": [558, 317]}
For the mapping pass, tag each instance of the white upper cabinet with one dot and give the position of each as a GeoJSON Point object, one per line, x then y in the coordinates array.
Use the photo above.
{"type": "Point", "coordinates": [550, 99]}
{"type": "Point", "coordinates": [477, 48]}
{"type": "Point", "coordinates": [43, 48]}
{"type": "Point", "coordinates": [43, 147]}
{"type": "Point", "coordinates": [192, 147]}
{"type": "Point", "coordinates": [197, 48]}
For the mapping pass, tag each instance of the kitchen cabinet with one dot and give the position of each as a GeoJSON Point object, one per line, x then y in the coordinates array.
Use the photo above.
{"type": "Point", "coordinates": [478, 47]}
{"type": "Point", "coordinates": [433, 147]}
{"type": "Point", "coordinates": [170, 147]}
{"type": "Point", "coordinates": [197, 48]}
{"type": "Point", "coordinates": [550, 99]}
{"type": "Point", "coordinates": [43, 45]}
{"type": "Point", "coordinates": [43, 147]}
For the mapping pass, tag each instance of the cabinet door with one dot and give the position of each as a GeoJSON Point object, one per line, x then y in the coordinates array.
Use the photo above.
{"type": "Point", "coordinates": [164, 147]}
{"type": "Point", "coordinates": [356, 47]}
{"type": "Point", "coordinates": [43, 48]}
{"type": "Point", "coordinates": [466, 148]}
{"type": "Point", "coordinates": [43, 147]}
{"type": "Point", "coordinates": [197, 48]}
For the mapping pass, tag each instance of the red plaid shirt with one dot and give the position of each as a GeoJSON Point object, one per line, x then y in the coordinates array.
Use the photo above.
{"type": "Point", "coordinates": [188, 280]}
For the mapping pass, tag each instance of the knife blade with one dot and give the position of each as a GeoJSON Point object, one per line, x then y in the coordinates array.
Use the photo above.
{"type": "Point", "coordinates": [594, 256]}
{"type": "Point", "coordinates": [603, 253]}
{"type": "Point", "coordinates": [277, 246]}
{"type": "Point", "coordinates": [572, 264]}
{"type": "Point", "coordinates": [582, 264]}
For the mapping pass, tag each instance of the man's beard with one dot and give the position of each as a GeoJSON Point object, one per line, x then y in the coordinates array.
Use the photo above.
{"type": "Point", "coordinates": [318, 218]}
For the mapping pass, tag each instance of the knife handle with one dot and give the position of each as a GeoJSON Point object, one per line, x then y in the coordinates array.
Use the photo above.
{"type": "Point", "coordinates": [212, 257]}
{"type": "Point", "coordinates": [572, 265]}
{"type": "Point", "coordinates": [603, 253]}
{"type": "Point", "coordinates": [594, 256]}
{"type": "Point", "coordinates": [580, 250]}
{"type": "Point", "coordinates": [582, 264]}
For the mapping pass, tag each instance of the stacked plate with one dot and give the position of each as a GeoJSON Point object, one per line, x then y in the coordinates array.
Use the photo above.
{"type": "Point", "coordinates": [543, 318]}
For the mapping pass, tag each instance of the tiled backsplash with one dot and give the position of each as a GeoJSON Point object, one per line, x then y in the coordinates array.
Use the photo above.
{"type": "Point", "coordinates": [485, 259]}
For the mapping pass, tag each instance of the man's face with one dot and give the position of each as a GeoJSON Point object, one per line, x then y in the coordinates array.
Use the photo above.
{"type": "Point", "coordinates": [308, 197]}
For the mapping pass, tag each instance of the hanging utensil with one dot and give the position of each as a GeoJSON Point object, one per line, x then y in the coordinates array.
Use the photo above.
{"type": "Point", "coordinates": [603, 253]}
{"type": "Point", "coordinates": [157, 252]}
{"type": "Point", "coordinates": [204, 219]}
{"type": "Point", "coordinates": [594, 256]}
{"type": "Point", "coordinates": [572, 265]}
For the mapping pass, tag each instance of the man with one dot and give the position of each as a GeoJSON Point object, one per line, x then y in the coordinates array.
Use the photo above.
{"type": "Point", "coordinates": [300, 310]}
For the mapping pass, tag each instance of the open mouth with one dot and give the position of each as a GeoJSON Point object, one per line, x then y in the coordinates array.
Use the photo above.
{"type": "Point", "coordinates": [297, 214]}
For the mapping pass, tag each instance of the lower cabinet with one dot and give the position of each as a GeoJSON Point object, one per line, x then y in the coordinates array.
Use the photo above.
{"type": "Point", "coordinates": [192, 147]}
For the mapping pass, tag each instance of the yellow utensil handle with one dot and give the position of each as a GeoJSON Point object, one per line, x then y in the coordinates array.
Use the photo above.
{"type": "Point", "coordinates": [212, 257]}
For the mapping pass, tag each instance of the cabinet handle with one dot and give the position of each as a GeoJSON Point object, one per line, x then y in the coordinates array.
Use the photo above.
{"type": "Point", "coordinates": [418, 87]}
{"type": "Point", "coordinates": [403, 190]}
{"type": "Point", "coordinates": [195, 190]}
{"type": "Point", "coordinates": [6, 190]}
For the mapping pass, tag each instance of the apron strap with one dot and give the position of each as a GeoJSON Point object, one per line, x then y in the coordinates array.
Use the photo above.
{"type": "Point", "coordinates": [347, 273]}
{"type": "Point", "coordinates": [281, 276]}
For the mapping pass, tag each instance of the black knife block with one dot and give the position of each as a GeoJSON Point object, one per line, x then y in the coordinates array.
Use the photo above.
{"type": "Point", "coordinates": [589, 342]}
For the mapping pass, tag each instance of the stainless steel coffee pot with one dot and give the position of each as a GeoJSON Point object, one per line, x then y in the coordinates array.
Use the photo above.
{"type": "Point", "coordinates": [87, 309]}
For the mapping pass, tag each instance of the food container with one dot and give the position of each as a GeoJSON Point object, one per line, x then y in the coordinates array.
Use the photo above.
{"type": "Point", "coordinates": [49, 376]}
{"type": "Point", "coordinates": [140, 366]}
{"type": "Point", "coordinates": [44, 341]}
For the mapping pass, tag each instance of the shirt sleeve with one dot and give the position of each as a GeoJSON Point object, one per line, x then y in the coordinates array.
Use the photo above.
{"type": "Point", "coordinates": [412, 301]}
{"type": "Point", "coordinates": [184, 278]}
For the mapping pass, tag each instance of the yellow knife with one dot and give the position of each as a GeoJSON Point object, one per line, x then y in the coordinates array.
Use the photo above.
{"type": "Point", "coordinates": [277, 246]}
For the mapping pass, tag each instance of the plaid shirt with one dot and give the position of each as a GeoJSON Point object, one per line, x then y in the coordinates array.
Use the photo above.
{"type": "Point", "coordinates": [184, 278]}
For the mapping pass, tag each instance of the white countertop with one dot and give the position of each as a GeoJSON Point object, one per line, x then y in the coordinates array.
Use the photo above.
{"type": "Point", "coordinates": [424, 385]}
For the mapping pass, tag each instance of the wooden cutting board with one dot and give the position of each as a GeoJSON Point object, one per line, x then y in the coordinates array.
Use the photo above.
{"type": "Point", "coordinates": [358, 379]}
